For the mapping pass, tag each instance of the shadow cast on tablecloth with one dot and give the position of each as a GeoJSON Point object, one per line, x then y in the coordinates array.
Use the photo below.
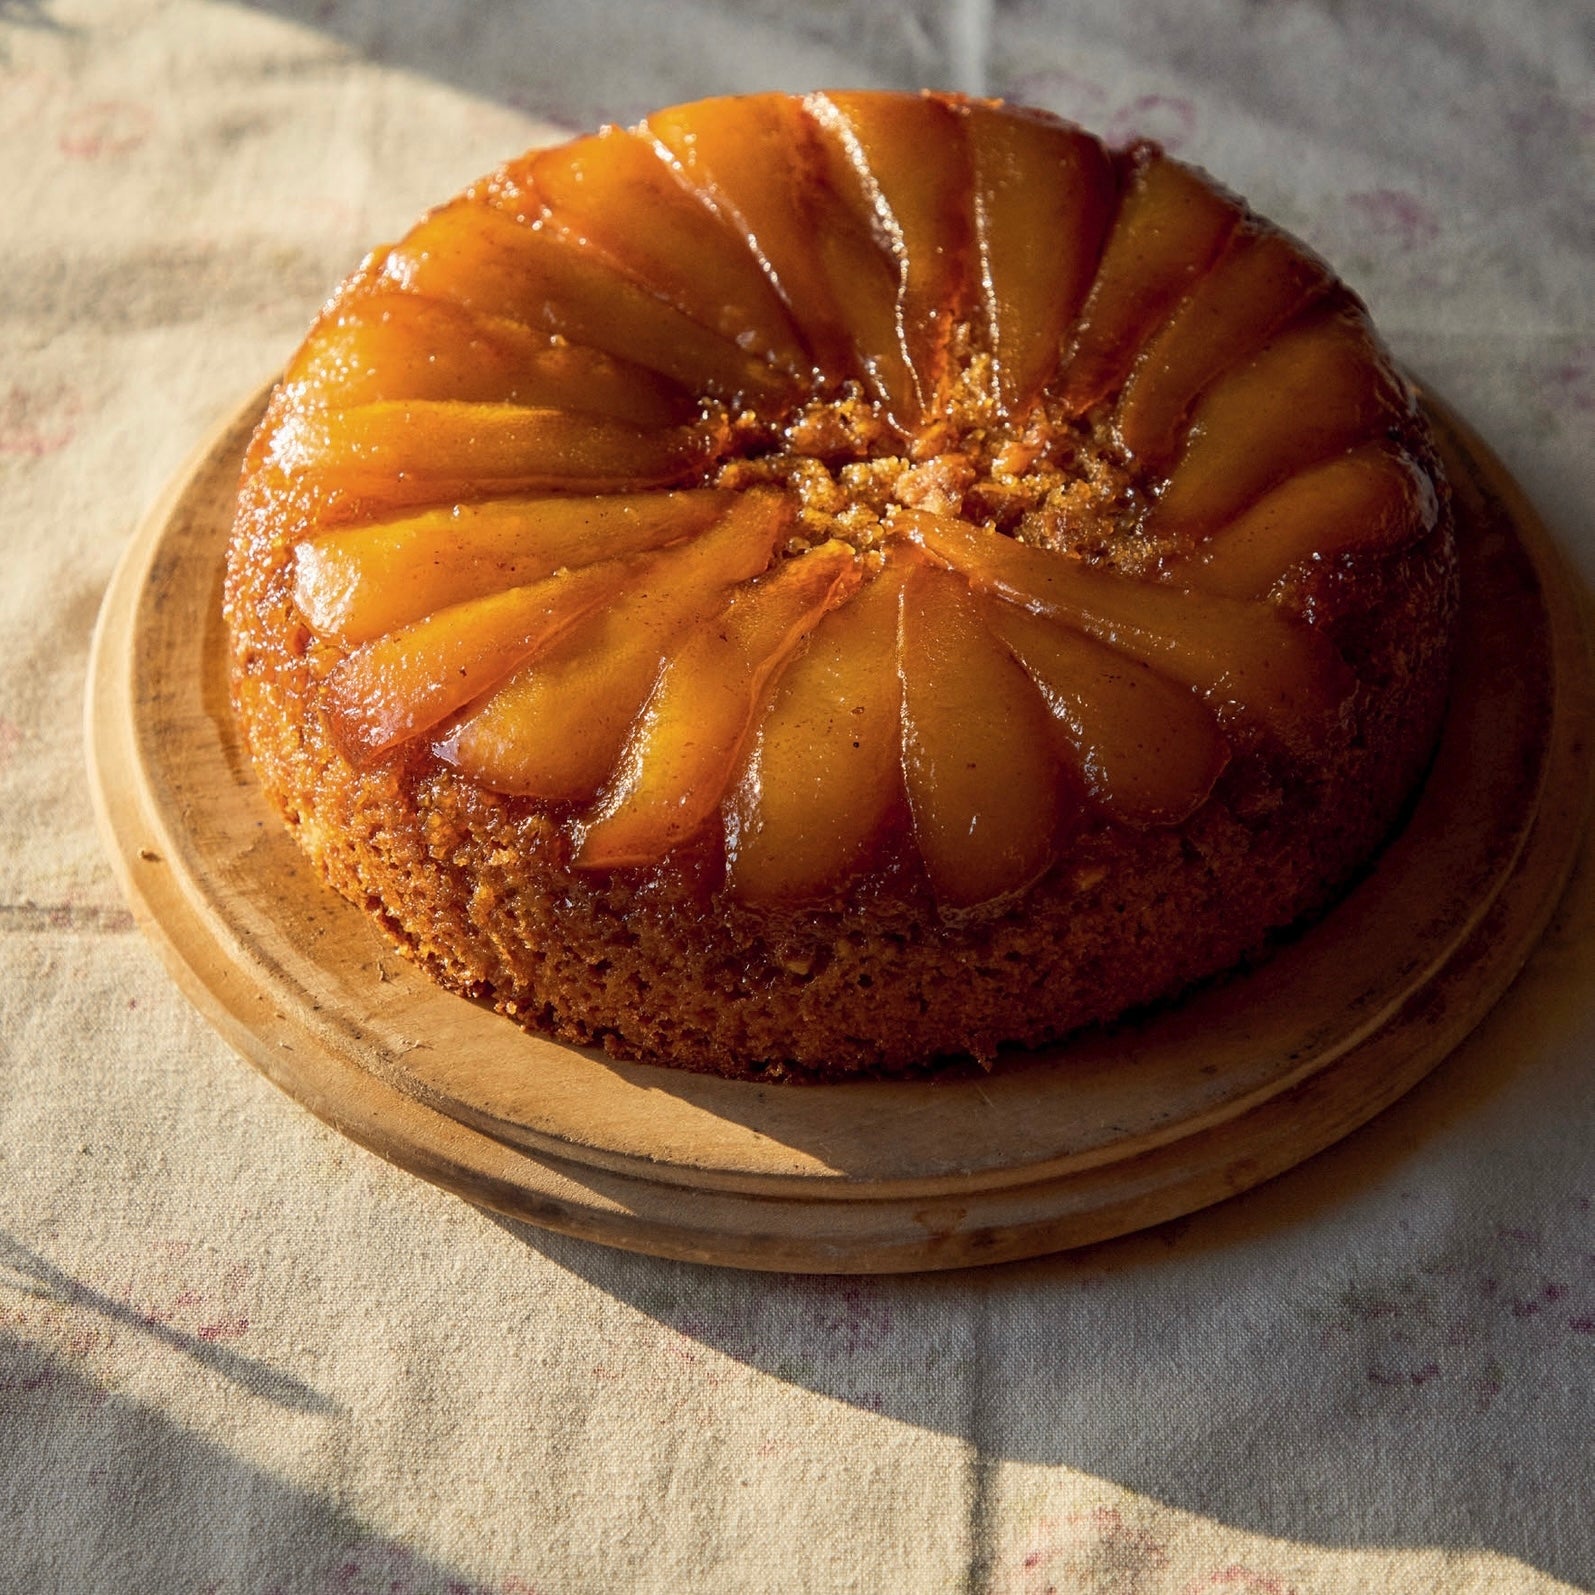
{"type": "Point", "coordinates": [31, 14]}
{"type": "Point", "coordinates": [129, 1500]}
{"type": "Point", "coordinates": [154, 1505]}
{"type": "Point", "coordinates": [1349, 1408]}
{"type": "Point", "coordinates": [34, 1276]}
{"type": "Point", "coordinates": [577, 64]}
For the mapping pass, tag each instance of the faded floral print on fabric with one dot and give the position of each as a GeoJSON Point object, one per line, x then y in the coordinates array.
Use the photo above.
{"type": "Point", "coordinates": [239, 1355]}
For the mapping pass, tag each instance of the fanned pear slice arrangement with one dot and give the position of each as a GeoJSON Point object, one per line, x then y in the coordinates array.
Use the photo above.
{"type": "Point", "coordinates": [853, 489]}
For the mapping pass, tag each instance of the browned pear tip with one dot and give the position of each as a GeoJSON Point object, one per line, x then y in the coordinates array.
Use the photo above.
{"type": "Point", "coordinates": [557, 728]}
{"type": "Point", "coordinates": [1261, 280]}
{"type": "Point", "coordinates": [981, 773]}
{"type": "Point", "coordinates": [1373, 499]}
{"type": "Point", "coordinates": [689, 739]}
{"type": "Point", "coordinates": [686, 255]}
{"type": "Point", "coordinates": [1147, 750]}
{"type": "Point", "coordinates": [820, 790]}
{"type": "Point", "coordinates": [1170, 226]}
{"type": "Point", "coordinates": [1319, 388]}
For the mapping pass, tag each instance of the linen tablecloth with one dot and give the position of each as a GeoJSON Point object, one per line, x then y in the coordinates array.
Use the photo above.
{"type": "Point", "coordinates": [239, 1353]}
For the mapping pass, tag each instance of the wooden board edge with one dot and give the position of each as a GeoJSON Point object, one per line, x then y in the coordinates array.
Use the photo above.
{"type": "Point", "coordinates": [899, 1234]}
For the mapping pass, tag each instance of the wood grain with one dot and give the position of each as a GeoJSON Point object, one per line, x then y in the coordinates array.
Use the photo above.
{"type": "Point", "coordinates": [1111, 1132]}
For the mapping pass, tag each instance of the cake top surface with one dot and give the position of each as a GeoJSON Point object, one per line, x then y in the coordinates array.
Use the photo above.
{"type": "Point", "coordinates": [845, 477]}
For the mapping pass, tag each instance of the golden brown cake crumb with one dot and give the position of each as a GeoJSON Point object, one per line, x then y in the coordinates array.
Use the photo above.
{"type": "Point", "coordinates": [725, 595]}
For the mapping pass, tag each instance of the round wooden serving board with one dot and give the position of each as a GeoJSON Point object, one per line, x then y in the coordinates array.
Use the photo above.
{"type": "Point", "coordinates": [1114, 1131]}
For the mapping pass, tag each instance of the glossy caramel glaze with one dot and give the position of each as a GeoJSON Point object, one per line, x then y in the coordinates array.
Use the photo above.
{"type": "Point", "coordinates": [764, 510]}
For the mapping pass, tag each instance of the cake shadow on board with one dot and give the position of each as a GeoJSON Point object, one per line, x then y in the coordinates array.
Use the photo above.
{"type": "Point", "coordinates": [1427, 1264]}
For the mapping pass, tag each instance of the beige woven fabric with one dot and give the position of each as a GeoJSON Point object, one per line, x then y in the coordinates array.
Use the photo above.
{"type": "Point", "coordinates": [239, 1354]}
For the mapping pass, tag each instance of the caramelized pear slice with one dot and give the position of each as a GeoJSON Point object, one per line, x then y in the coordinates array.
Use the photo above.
{"type": "Point", "coordinates": [615, 191]}
{"type": "Point", "coordinates": [921, 204]}
{"type": "Point", "coordinates": [537, 274]}
{"type": "Point", "coordinates": [406, 682]}
{"type": "Point", "coordinates": [356, 584]}
{"type": "Point", "coordinates": [692, 732]}
{"type": "Point", "coordinates": [1250, 660]}
{"type": "Point", "coordinates": [1171, 224]}
{"type": "Point", "coordinates": [1043, 194]}
{"type": "Point", "coordinates": [1374, 498]}
{"type": "Point", "coordinates": [752, 159]}
{"type": "Point", "coordinates": [1314, 391]}
{"type": "Point", "coordinates": [400, 452]}
{"type": "Point", "coordinates": [404, 346]}
{"type": "Point", "coordinates": [1259, 283]}
{"type": "Point", "coordinates": [860, 250]}
{"type": "Point", "coordinates": [984, 784]}
{"type": "Point", "coordinates": [823, 781]}
{"type": "Point", "coordinates": [1147, 751]}
{"type": "Point", "coordinates": [556, 729]}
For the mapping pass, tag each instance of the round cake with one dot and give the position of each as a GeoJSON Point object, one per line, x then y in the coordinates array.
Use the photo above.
{"type": "Point", "coordinates": [810, 586]}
